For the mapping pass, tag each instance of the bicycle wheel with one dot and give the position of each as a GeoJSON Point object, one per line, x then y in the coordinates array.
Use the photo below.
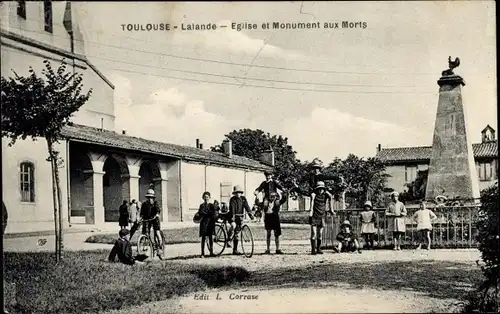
{"type": "Point", "coordinates": [144, 246]}
{"type": "Point", "coordinates": [219, 240]}
{"type": "Point", "coordinates": [162, 247]}
{"type": "Point", "coordinates": [247, 245]}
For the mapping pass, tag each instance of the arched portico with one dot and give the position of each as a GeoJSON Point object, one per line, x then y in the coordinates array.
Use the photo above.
{"type": "Point", "coordinates": [114, 191]}
{"type": "Point", "coordinates": [81, 188]}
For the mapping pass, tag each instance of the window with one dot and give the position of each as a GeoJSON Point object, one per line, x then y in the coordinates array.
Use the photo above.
{"type": "Point", "coordinates": [485, 171]}
{"type": "Point", "coordinates": [410, 173]}
{"type": "Point", "coordinates": [21, 8]}
{"type": "Point", "coordinates": [27, 182]}
{"type": "Point", "coordinates": [47, 10]}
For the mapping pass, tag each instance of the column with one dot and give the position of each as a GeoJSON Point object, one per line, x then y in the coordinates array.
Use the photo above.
{"type": "Point", "coordinates": [134, 182]}
{"type": "Point", "coordinates": [98, 189]}
{"type": "Point", "coordinates": [164, 190]}
{"type": "Point", "coordinates": [98, 198]}
{"type": "Point", "coordinates": [164, 206]}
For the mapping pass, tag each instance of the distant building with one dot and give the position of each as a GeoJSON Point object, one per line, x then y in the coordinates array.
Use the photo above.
{"type": "Point", "coordinates": [101, 167]}
{"type": "Point", "coordinates": [403, 163]}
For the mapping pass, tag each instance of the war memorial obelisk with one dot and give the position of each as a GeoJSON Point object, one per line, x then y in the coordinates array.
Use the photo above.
{"type": "Point", "coordinates": [452, 172]}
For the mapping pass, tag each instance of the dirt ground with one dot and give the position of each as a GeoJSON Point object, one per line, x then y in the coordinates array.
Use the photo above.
{"type": "Point", "coordinates": [371, 282]}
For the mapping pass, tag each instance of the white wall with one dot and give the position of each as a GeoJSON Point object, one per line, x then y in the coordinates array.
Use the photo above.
{"type": "Point", "coordinates": [20, 57]}
{"type": "Point", "coordinates": [37, 216]}
{"type": "Point", "coordinates": [195, 176]}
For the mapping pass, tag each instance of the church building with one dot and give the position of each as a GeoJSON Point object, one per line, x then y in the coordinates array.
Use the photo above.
{"type": "Point", "coordinates": [101, 167]}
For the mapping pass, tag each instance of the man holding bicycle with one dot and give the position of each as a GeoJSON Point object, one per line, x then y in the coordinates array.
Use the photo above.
{"type": "Point", "coordinates": [150, 216]}
{"type": "Point", "coordinates": [238, 205]}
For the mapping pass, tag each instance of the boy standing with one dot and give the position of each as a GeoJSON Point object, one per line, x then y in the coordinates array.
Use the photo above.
{"type": "Point", "coordinates": [238, 205]}
{"type": "Point", "coordinates": [272, 222]}
{"type": "Point", "coordinates": [320, 204]}
{"type": "Point", "coordinates": [424, 217]}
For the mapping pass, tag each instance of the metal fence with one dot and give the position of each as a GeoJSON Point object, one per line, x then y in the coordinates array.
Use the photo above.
{"type": "Point", "coordinates": [455, 227]}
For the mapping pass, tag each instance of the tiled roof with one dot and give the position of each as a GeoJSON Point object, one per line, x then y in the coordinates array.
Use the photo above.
{"type": "Point", "coordinates": [113, 139]}
{"type": "Point", "coordinates": [423, 153]}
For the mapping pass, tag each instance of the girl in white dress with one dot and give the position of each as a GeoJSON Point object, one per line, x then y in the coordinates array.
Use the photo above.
{"type": "Point", "coordinates": [368, 224]}
{"type": "Point", "coordinates": [424, 217]}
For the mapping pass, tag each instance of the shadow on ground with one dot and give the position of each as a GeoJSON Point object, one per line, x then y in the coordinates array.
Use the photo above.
{"type": "Point", "coordinates": [436, 279]}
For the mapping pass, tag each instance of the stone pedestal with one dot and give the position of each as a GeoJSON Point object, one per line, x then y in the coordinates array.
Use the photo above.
{"type": "Point", "coordinates": [452, 170]}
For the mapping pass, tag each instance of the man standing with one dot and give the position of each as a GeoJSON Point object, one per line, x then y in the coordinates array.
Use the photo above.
{"type": "Point", "coordinates": [238, 204]}
{"type": "Point", "coordinates": [320, 204]}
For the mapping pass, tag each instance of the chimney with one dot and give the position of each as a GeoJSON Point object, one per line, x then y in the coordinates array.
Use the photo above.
{"type": "Point", "coordinates": [197, 143]}
{"type": "Point", "coordinates": [227, 146]}
{"type": "Point", "coordinates": [267, 157]}
{"type": "Point", "coordinates": [379, 148]}
{"type": "Point", "coordinates": [124, 132]}
{"type": "Point", "coordinates": [201, 146]}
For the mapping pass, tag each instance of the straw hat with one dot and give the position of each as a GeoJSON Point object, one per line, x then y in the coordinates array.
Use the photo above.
{"type": "Point", "coordinates": [345, 223]}
{"type": "Point", "coordinates": [369, 204]}
{"type": "Point", "coordinates": [316, 163]}
{"type": "Point", "coordinates": [151, 193]}
{"type": "Point", "coordinates": [237, 189]}
{"type": "Point", "coordinates": [320, 185]}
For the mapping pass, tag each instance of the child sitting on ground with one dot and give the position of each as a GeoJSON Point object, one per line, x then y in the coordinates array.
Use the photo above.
{"type": "Point", "coordinates": [123, 249]}
{"type": "Point", "coordinates": [347, 239]}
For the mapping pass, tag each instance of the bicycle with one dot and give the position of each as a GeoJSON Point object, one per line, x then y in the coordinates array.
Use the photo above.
{"type": "Point", "coordinates": [220, 238]}
{"type": "Point", "coordinates": [144, 242]}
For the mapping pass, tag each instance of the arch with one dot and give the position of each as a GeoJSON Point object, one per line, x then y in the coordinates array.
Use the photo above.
{"type": "Point", "coordinates": [122, 163]}
{"type": "Point", "coordinates": [113, 187]}
{"type": "Point", "coordinates": [81, 187]}
{"type": "Point", "coordinates": [150, 177]}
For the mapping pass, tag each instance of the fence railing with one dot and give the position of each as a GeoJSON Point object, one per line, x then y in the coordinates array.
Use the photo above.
{"type": "Point", "coordinates": [454, 227]}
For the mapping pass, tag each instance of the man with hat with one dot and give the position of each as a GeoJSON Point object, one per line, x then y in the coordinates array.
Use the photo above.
{"type": "Point", "coordinates": [321, 202]}
{"type": "Point", "coordinates": [150, 211]}
{"type": "Point", "coordinates": [396, 213]}
{"type": "Point", "coordinates": [315, 177]}
{"type": "Point", "coordinates": [346, 238]}
{"type": "Point", "coordinates": [238, 205]}
{"type": "Point", "coordinates": [267, 187]}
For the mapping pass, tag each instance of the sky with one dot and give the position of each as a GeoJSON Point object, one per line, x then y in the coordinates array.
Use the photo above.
{"type": "Point", "coordinates": [331, 92]}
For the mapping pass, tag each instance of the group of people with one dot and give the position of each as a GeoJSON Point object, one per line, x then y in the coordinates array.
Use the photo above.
{"type": "Point", "coordinates": [146, 214]}
{"type": "Point", "coordinates": [274, 196]}
{"type": "Point", "coordinates": [232, 215]}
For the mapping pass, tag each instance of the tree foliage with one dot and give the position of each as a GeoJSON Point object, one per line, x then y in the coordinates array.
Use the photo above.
{"type": "Point", "coordinates": [39, 107]}
{"type": "Point", "coordinates": [36, 106]}
{"type": "Point", "coordinates": [486, 299]}
{"type": "Point", "coordinates": [416, 189]}
{"type": "Point", "coordinates": [251, 143]}
{"type": "Point", "coordinates": [365, 179]}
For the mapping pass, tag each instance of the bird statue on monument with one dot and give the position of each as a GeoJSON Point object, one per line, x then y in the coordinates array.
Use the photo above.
{"type": "Point", "coordinates": [451, 66]}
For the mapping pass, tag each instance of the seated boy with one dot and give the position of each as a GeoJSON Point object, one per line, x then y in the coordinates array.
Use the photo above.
{"type": "Point", "coordinates": [347, 239]}
{"type": "Point", "coordinates": [123, 248]}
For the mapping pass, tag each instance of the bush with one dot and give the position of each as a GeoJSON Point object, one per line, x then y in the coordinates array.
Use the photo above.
{"type": "Point", "coordinates": [486, 298]}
